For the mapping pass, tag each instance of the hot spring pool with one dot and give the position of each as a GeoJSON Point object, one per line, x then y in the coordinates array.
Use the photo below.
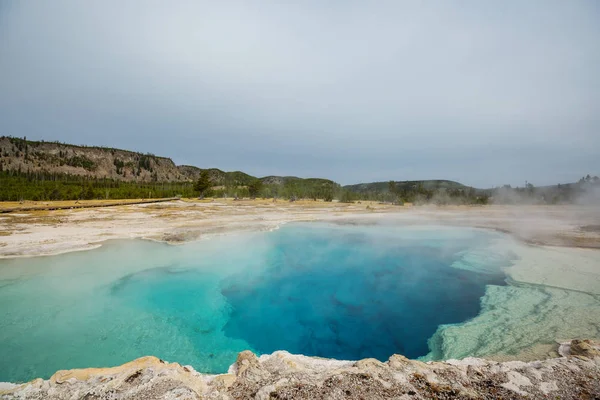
{"type": "Point", "coordinates": [347, 292]}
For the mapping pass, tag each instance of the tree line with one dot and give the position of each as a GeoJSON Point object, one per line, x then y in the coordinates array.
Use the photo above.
{"type": "Point", "coordinates": [40, 186]}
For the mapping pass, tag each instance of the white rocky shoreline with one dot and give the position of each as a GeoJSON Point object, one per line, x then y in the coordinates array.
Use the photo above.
{"type": "Point", "coordinates": [575, 375]}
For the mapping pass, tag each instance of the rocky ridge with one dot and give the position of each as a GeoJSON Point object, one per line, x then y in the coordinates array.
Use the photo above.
{"type": "Point", "coordinates": [25, 156]}
{"type": "Point", "coordinates": [575, 375]}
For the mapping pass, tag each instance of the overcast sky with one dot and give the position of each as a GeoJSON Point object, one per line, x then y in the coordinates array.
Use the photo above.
{"type": "Point", "coordinates": [482, 92]}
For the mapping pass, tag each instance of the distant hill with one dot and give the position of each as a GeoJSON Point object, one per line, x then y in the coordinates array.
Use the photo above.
{"type": "Point", "coordinates": [383, 187]}
{"type": "Point", "coordinates": [217, 177]}
{"type": "Point", "coordinates": [287, 180]}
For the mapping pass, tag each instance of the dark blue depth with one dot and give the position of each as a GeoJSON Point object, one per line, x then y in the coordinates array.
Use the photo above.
{"type": "Point", "coordinates": [349, 297]}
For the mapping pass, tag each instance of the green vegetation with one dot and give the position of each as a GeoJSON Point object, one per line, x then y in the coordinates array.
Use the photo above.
{"type": "Point", "coordinates": [144, 162]}
{"type": "Point", "coordinates": [38, 186]}
{"type": "Point", "coordinates": [203, 183]}
{"type": "Point", "coordinates": [81, 161]}
{"type": "Point", "coordinates": [290, 188]}
{"type": "Point", "coordinates": [438, 192]}
{"type": "Point", "coordinates": [298, 188]}
{"type": "Point", "coordinates": [218, 177]}
{"type": "Point", "coordinates": [255, 187]}
{"type": "Point", "coordinates": [119, 164]}
{"type": "Point", "coordinates": [45, 186]}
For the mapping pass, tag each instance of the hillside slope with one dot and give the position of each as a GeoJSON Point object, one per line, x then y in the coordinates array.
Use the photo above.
{"type": "Point", "coordinates": [217, 177]}
{"type": "Point", "coordinates": [28, 156]}
{"type": "Point", "coordinates": [291, 180]}
{"type": "Point", "coordinates": [380, 187]}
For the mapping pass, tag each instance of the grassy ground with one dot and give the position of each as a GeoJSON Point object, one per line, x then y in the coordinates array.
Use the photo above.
{"type": "Point", "coordinates": [14, 206]}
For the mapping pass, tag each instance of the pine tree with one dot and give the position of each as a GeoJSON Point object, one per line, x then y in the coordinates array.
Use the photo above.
{"type": "Point", "coordinates": [392, 187]}
{"type": "Point", "coordinates": [255, 187]}
{"type": "Point", "coordinates": [203, 183]}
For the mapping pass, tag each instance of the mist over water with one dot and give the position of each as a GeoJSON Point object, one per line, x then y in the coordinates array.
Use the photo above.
{"type": "Point", "coordinates": [347, 292]}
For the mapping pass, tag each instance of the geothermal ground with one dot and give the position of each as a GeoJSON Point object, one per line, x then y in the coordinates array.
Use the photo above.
{"type": "Point", "coordinates": [31, 233]}
{"type": "Point", "coordinates": [554, 290]}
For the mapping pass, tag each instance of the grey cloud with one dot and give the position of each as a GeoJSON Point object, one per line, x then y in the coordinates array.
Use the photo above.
{"type": "Point", "coordinates": [481, 92]}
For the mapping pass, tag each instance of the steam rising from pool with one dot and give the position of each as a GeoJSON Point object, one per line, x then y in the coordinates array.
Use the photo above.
{"type": "Point", "coordinates": [347, 292]}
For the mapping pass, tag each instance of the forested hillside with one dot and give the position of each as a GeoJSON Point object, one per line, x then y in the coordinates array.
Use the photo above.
{"type": "Point", "coordinates": [35, 170]}
{"type": "Point", "coordinates": [427, 191]}
{"type": "Point", "coordinates": [217, 177]}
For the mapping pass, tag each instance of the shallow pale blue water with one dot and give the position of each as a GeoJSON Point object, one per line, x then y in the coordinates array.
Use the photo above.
{"type": "Point", "coordinates": [347, 292]}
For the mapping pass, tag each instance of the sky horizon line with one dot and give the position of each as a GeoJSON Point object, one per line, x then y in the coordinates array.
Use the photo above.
{"type": "Point", "coordinates": [486, 93]}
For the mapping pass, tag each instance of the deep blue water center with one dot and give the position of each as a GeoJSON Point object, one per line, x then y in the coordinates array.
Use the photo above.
{"type": "Point", "coordinates": [346, 292]}
{"type": "Point", "coordinates": [346, 297]}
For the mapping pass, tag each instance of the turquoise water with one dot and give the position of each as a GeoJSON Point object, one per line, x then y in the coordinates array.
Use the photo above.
{"type": "Point", "coordinates": [347, 292]}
